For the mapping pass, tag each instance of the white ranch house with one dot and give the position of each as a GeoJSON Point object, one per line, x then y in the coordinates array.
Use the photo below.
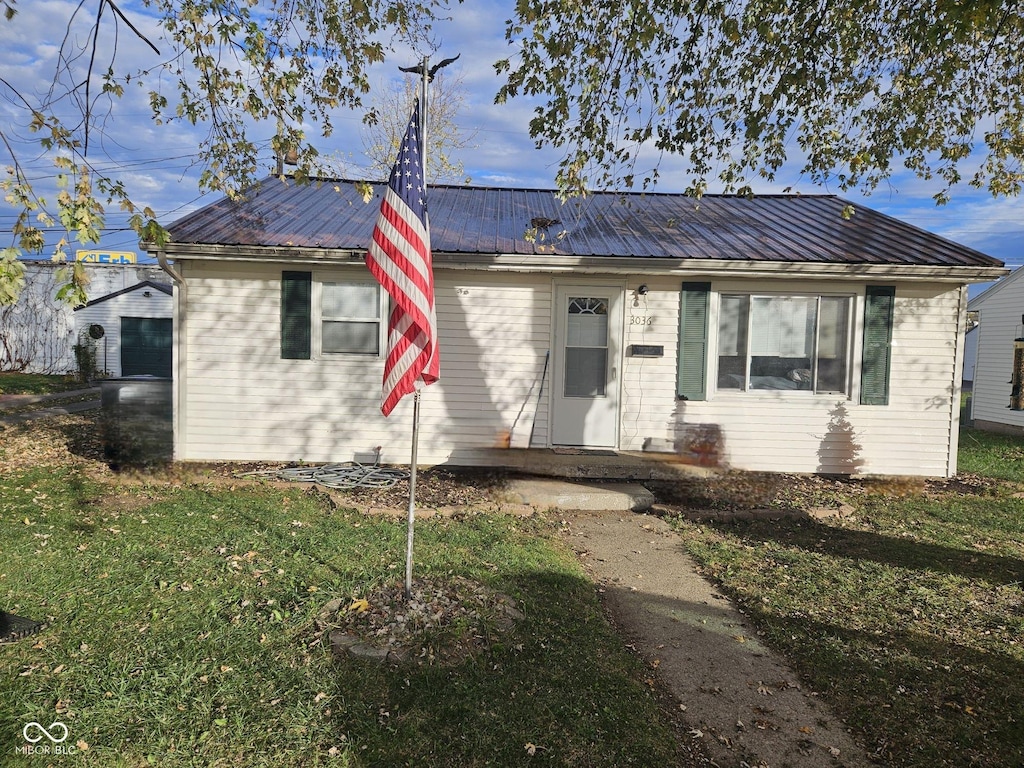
{"type": "Point", "coordinates": [763, 334]}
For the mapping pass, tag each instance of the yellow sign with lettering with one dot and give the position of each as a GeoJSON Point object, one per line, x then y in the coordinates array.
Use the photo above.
{"type": "Point", "coordinates": [106, 257]}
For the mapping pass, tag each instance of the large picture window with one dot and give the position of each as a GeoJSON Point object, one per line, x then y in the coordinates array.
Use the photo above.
{"type": "Point", "coordinates": [350, 317]}
{"type": "Point", "coordinates": [797, 343]}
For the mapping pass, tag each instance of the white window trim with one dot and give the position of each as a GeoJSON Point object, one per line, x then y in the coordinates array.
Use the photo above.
{"type": "Point", "coordinates": [852, 340]}
{"type": "Point", "coordinates": [317, 318]}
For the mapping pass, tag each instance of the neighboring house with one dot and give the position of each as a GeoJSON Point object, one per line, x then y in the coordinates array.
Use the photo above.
{"type": "Point", "coordinates": [970, 354]}
{"type": "Point", "coordinates": [129, 330]}
{"type": "Point", "coordinates": [765, 334]}
{"type": "Point", "coordinates": [37, 333]}
{"type": "Point", "coordinates": [997, 400]}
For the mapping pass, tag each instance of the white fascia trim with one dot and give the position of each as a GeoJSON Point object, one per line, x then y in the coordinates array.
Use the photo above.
{"type": "Point", "coordinates": [607, 264]}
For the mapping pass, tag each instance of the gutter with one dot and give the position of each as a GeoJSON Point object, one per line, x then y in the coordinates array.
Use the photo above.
{"type": "Point", "coordinates": [552, 263]}
{"type": "Point", "coordinates": [161, 257]}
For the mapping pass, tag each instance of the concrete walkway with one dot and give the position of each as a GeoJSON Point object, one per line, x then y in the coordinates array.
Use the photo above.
{"type": "Point", "coordinates": [10, 414]}
{"type": "Point", "coordinates": [745, 703]}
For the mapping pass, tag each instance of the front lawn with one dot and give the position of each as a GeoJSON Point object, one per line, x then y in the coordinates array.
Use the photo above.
{"type": "Point", "coordinates": [182, 630]}
{"type": "Point", "coordinates": [907, 614]}
{"type": "Point", "coordinates": [182, 619]}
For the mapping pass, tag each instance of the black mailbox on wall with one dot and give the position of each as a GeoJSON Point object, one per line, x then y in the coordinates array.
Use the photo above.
{"type": "Point", "coordinates": [646, 350]}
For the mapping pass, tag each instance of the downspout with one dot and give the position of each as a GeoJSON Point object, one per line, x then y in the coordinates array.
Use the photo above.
{"type": "Point", "coordinates": [179, 354]}
{"type": "Point", "coordinates": [955, 388]}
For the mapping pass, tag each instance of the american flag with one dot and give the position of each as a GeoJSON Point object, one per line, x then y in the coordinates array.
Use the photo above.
{"type": "Point", "coordinates": [399, 257]}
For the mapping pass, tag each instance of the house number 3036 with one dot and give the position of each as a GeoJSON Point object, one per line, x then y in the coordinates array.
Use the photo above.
{"type": "Point", "coordinates": [640, 320]}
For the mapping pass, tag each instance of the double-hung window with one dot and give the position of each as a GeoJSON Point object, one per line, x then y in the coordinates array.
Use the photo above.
{"type": "Point", "coordinates": [330, 316]}
{"type": "Point", "coordinates": [787, 343]}
{"type": "Point", "coordinates": [351, 315]}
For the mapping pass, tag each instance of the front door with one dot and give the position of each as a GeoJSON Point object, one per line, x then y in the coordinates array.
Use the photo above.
{"type": "Point", "coordinates": [585, 398]}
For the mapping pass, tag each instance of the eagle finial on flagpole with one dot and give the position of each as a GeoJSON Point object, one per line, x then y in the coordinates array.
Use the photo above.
{"type": "Point", "coordinates": [421, 68]}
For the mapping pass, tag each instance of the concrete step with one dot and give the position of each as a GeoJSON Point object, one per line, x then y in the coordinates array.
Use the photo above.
{"type": "Point", "coordinates": [545, 494]}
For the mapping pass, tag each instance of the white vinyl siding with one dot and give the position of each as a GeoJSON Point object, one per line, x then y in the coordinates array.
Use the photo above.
{"type": "Point", "coordinates": [243, 401]}
{"type": "Point", "coordinates": [239, 400]}
{"type": "Point", "coordinates": [806, 432]}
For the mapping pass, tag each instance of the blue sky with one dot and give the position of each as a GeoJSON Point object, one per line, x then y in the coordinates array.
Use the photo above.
{"type": "Point", "coordinates": [157, 161]}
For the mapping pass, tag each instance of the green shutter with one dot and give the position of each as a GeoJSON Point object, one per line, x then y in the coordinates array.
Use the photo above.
{"type": "Point", "coordinates": [693, 341]}
{"type": "Point", "coordinates": [296, 314]}
{"type": "Point", "coordinates": [879, 304]}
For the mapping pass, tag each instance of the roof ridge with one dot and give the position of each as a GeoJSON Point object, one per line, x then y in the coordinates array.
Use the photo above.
{"type": "Point", "coordinates": [602, 192]}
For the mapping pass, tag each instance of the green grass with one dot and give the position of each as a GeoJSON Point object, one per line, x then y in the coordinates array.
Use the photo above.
{"type": "Point", "coordinates": [182, 632]}
{"type": "Point", "coordinates": [182, 623]}
{"type": "Point", "coordinates": [36, 383]}
{"type": "Point", "coordinates": [908, 617]}
{"type": "Point", "coordinates": [992, 455]}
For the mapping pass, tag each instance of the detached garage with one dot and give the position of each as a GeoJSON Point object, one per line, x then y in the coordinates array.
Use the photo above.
{"type": "Point", "coordinates": [130, 330]}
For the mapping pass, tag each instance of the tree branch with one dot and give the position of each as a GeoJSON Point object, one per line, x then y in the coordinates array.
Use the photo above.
{"type": "Point", "coordinates": [88, 77]}
{"type": "Point", "coordinates": [132, 27]}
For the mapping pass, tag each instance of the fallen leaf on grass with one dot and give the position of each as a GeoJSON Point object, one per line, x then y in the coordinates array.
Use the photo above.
{"type": "Point", "coordinates": [82, 745]}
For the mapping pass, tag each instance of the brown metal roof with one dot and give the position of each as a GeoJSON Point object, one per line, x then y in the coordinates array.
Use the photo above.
{"type": "Point", "coordinates": [495, 221]}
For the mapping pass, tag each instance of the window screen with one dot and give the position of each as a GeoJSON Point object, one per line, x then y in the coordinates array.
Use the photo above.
{"type": "Point", "coordinates": [350, 316]}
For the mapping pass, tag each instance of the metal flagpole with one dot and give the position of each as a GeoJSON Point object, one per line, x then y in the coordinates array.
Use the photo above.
{"type": "Point", "coordinates": [416, 394]}
{"type": "Point", "coordinates": [412, 494]}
